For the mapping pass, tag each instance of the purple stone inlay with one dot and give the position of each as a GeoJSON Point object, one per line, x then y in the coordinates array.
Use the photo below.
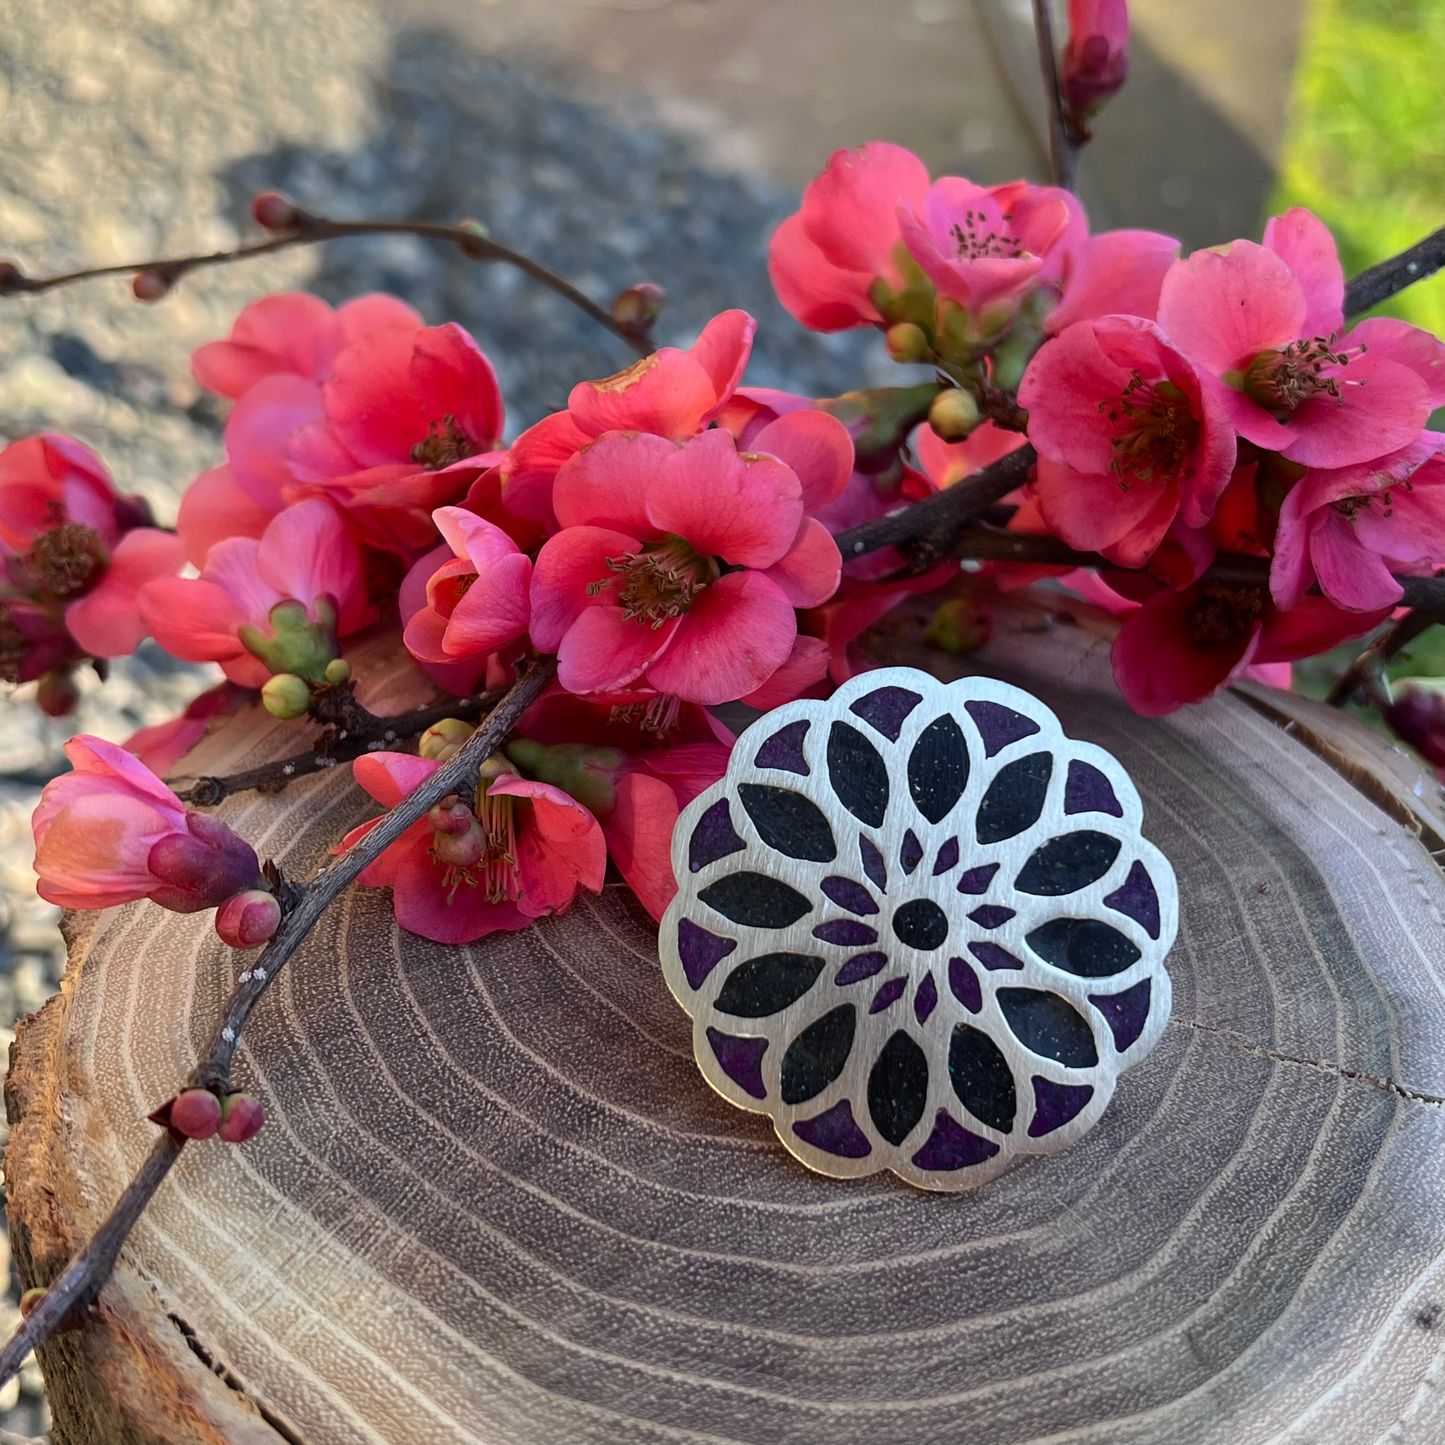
{"type": "Point", "coordinates": [888, 995]}
{"type": "Point", "coordinates": [963, 985]}
{"type": "Point", "coordinates": [713, 838]}
{"type": "Point", "coordinates": [926, 999]}
{"type": "Point", "coordinates": [976, 880]}
{"type": "Point", "coordinates": [1138, 900]}
{"type": "Point", "coordinates": [951, 1146]}
{"type": "Point", "coordinates": [850, 895]}
{"type": "Point", "coordinates": [847, 931]}
{"type": "Point", "coordinates": [785, 749]}
{"type": "Point", "coordinates": [886, 709]}
{"type": "Point", "coordinates": [741, 1060]}
{"type": "Point", "coordinates": [1089, 791]}
{"type": "Point", "coordinates": [1055, 1104]}
{"type": "Point", "coordinates": [991, 915]}
{"type": "Point", "coordinates": [700, 950]}
{"type": "Point", "coordinates": [999, 726]}
{"type": "Point", "coordinates": [873, 864]}
{"type": "Point", "coordinates": [1126, 1013]}
{"type": "Point", "coordinates": [991, 956]}
{"type": "Point", "coordinates": [947, 857]}
{"type": "Point", "coordinates": [910, 855]}
{"type": "Point", "coordinates": [835, 1132]}
{"type": "Point", "coordinates": [864, 965]}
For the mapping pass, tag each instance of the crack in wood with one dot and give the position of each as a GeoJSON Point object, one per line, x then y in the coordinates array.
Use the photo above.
{"type": "Point", "coordinates": [1323, 1066]}
{"type": "Point", "coordinates": [232, 1381]}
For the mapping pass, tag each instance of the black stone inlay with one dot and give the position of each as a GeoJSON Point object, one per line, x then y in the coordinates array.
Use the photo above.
{"type": "Point", "coordinates": [1044, 1024]}
{"type": "Point", "coordinates": [789, 822]}
{"type": "Point", "coordinates": [755, 901]}
{"type": "Point", "coordinates": [982, 1078]}
{"type": "Point", "coordinates": [858, 774]}
{"type": "Point", "coordinates": [1083, 946]}
{"type": "Point", "coordinates": [921, 924]}
{"type": "Point", "coordinates": [1068, 863]}
{"type": "Point", "coordinates": [817, 1056]}
{"type": "Point", "coordinates": [938, 768]}
{"type": "Point", "coordinates": [898, 1088]}
{"type": "Point", "coordinates": [1015, 798]}
{"type": "Point", "coordinates": [767, 984]}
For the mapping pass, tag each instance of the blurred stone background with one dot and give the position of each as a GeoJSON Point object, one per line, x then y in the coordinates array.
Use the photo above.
{"type": "Point", "coordinates": [617, 140]}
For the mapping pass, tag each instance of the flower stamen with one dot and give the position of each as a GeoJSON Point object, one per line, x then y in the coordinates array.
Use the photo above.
{"type": "Point", "coordinates": [445, 444]}
{"type": "Point", "coordinates": [1223, 616]}
{"type": "Point", "coordinates": [658, 583]}
{"type": "Point", "coordinates": [1156, 432]}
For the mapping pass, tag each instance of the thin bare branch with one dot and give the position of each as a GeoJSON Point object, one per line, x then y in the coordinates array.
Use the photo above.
{"type": "Point", "coordinates": [79, 1284]}
{"type": "Point", "coordinates": [1365, 672]}
{"type": "Point", "coordinates": [311, 230]}
{"type": "Point", "coordinates": [1061, 148]}
{"type": "Point", "coordinates": [1388, 278]}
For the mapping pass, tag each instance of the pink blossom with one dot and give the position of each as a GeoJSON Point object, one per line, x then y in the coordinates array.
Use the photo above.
{"type": "Point", "coordinates": [1262, 324]}
{"type": "Point", "coordinates": [477, 599]}
{"type": "Point", "coordinates": [215, 507]}
{"type": "Point", "coordinates": [671, 393]}
{"type": "Point", "coordinates": [107, 620]}
{"type": "Point", "coordinates": [534, 847]}
{"type": "Point", "coordinates": [111, 832]}
{"type": "Point", "coordinates": [249, 593]}
{"type": "Point", "coordinates": [1186, 644]}
{"type": "Point", "coordinates": [633, 587]}
{"type": "Point", "coordinates": [1116, 273]}
{"type": "Point", "coordinates": [1349, 529]}
{"type": "Point", "coordinates": [50, 480]}
{"type": "Point", "coordinates": [947, 463]}
{"type": "Point", "coordinates": [292, 333]}
{"type": "Point", "coordinates": [1128, 437]}
{"type": "Point", "coordinates": [1096, 58]}
{"type": "Point", "coordinates": [162, 745]}
{"type": "Point", "coordinates": [856, 606]}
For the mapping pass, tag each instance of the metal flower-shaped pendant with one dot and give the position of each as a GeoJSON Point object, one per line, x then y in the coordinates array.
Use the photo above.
{"type": "Point", "coordinates": [918, 927]}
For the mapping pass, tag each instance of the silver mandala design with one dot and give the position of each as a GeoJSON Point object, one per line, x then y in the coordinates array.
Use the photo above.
{"type": "Point", "coordinates": [919, 927]}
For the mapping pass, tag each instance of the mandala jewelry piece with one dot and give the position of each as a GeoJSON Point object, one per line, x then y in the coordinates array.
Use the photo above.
{"type": "Point", "coordinates": [918, 927]}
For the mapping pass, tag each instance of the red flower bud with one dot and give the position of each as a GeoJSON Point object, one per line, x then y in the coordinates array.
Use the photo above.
{"type": "Point", "coordinates": [195, 1113]}
{"type": "Point", "coordinates": [57, 694]}
{"type": "Point", "coordinates": [248, 919]}
{"type": "Point", "coordinates": [276, 211]}
{"type": "Point", "coordinates": [1418, 717]}
{"type": "Point", "coordinates": [12, 278]}
{"type": "Point", "coordinates": [150, 285]}
{"type": "Point", "coordinates": [241, 1118]}
{"type": "Point", "coordinates": [1096, 59]}
{"type": "Point", "coordinates": [639, 306]}
{"type": "Point", "coordinates": [201, 867]}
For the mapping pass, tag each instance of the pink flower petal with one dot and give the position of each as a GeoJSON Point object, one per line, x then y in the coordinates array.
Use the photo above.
{"type": "Point", "coordinates": [850, 211]}
{"type": "Point", "coordinates": [426, 905]}
{"type": "Point", "coordinates": [314, 454]}
{"type": "Point", "coordinates": [1350, 575]}
{"type": "Point", "coordinates": [369, 398]}
{"type": "Point", "coordinates": [259, 432]}
{"type": "Point", "coordinates": [213, 508]}
{"type": "Point", "coordinates": [1391, 340]}
{"type": "Point", "coordinates": [531, 465]}
{"type": "Point", "coordinates": [494, 611]}
{"type": "Point", "coordinates": [375, 312]}
{"type": "Point", "coordinates": [308, 552]}
{"type": "Point", "coordinates": [473, 537]}
{"type": "Point", "coordinates": [606, 484]}
{"type": "Point", "coordinates": [722, 350]}
{"type": "Point", "coordinates": [1291, 573]}
{"type": "Point", "coordinates": [566, 567]}
{"type": "Point", "coordinates": [106, 622]}
{"type": "Point", "coordinates": [451, 377]}
{"type": "Point", "coordinates": [1381, 407]}
{"type": "Point", "coordinates": [811, 288]}
{"type": "Point", "coordinates": [808, 574]}
{"type": "Point", "coordinates": [639, 838]}
{"type": "Point", "coordinates": [1222, 308]}
{"type": "Point", "coordinates": [1095, 510]}
{"type": "Point", "coordinates": [806, 664]}
{"type": "Point", "coordinates": [738, 633]}
{"type": "Point", "coordinates": [816, 446]}
{"type": "Point", "coordinates": [390, 777]}
{"type": "Point", "coordinates": [744, 510]}
{"type": "Point", "coordinates": [602, 651]}
{"type": "Point", "coordinates": [1306, 246]}
{"type": "Point", "coordinates": [1246, 416]}
{"type": "Point", "coordinates": [1312, 626]}
{"type": "Point", "coordinates": [291, 331]}
{"type": "Point", "coordinates": [1116, 273]}
{"type": "Point", "coordinates": [668, 394]}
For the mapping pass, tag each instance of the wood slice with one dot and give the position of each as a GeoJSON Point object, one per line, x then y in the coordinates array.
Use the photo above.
{"type": "Point", "coordinates": [495, 1201]}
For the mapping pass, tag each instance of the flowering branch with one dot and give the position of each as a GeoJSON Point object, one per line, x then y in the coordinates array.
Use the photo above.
{"type": "Point", "coordinates": [300, 228]}
{"type": "Point", "coordinates": [1391, 276]}
{"type": "Point", "coordinates": [1062, 150]}
{"type": "Point", "coordinates": [79, 1284]}
{"type": "Point", "coordinates": [357, 731]}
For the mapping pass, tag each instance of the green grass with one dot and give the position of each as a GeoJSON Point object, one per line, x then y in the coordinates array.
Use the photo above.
{"type": "Point", "coordinates": [1365, 147]}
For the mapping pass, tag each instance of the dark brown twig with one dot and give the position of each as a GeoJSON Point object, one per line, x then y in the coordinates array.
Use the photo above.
{"type": "Point", "coordinates": [1366, 671]}
{"type": "Point", "coordinates": [78, 1285]}
{"type": "Point", "coordinates": [309, 231]}
{"type": "Point", "coordinates": [366, 732]}
{"type": "Point", "coordinates": [1061, 147]}
{"type": "Point", "coordinates": [1389, 277]}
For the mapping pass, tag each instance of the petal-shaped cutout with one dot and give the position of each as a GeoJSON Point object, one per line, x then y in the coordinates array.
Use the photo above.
{"type": "Point", "coordinates": [1015, 798]}
{"type": "Point", "coordinates": [999, 725]}
{"type": "Point", "coordinates": [858, 774]}
{"type": "Point", "coordinates": [1068, 863]}
{"type": "Point", "coordinates": [762, 986]}
{"type": "Point", "coordinates": [1055, 1104]}
{"type": "Point", "coordinates": [950, 1146]}
{"type": "Point", "coordinates": [755, 900]}
{"type": "Point", "coordinates": [898, 1088]}
{"type": "Point", "coordinates": [1047, 1025]}
{"type": "Point", "coordinates": [886, 709]}
{"type": "Point", "coordinates": [1126, 1013]}
{"type": "Point", "coordinates": [818, 1055]}
{"type": "Point", "coordinates": [789, 822]}
{"type": "Point", "coordinates": [910, 852]}
{"type": "Point", "coordinates": [701, 950]}
{"type": "Point", "coordinates": [784, 750]}
{"type": "Point", "coordinates": [713, 837]}
{"type": "Point", "coordinates": [835, 1131]}
{"type": "Point", "coordinates": [938, 768]}
{"type": "Point", "coordinates": [1087, 790]}
{"type": "Point", "coordinates": [981, 1078]}
{"type": "Point", "coordinates": [859, 967]}
{"type": "Point", "coordinates": [1137, 899]}
{"type": "Point", "coordinates": [1083, 946]}
{"type": "Point", "coordinates": [741, 1060]}
{"type": "Point", "coordinates": [850, 895]}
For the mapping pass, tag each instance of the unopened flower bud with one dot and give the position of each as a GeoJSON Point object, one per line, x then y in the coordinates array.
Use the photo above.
{"type": "Point", "coordinates": [639, 306]}
{"type": "Point", "coordinates": [954, 414]}
{"type": "Point", "coordinates": [478, 252]}
{"type": "Point", "coordinates": [57, 694]}
{"type": "Point", "coordinates": [201, 867]}
{"type": "Point", "coordinates": [959, 627]}
{"type": "Point", "coordinates": [241, 1118]}
{"type": "Point", "coordinates": [29, 1301]}
{"type": "Point", "coordinates": [150, 285]}
{"type": "Point", "coordinates": [286, 696]}
{"type": "Point", "coordinates": [338, 670]}
{"type": "Point", "coordinates": [12, 278]}
{"type": "Point", "coordinates": [461, 850]}
{"type": "Point", "coordinates": [1418, 717]}
{"type": "Point", "coordinates": [276, 211]}
{"type": "Point", "coordinates": [195, 1113]}
{"type": "Point", "coordinates": [451, 816]}
{"type": "Point", "coordinates": [442, 741]}
{"type": "Point", "coordinates": [248, 919]}
{"type": "Point", "coordinates": [1096, 58]}
{"type": "Point", "coordinates": [586, 773]}
{"type": "Point", "coordinates": [296, 644]}
{"type": "Point", "coordinates": [907, 342]}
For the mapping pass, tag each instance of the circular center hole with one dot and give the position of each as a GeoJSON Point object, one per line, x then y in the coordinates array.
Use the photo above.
{"type": "Point", "coordinates": [921, 924]}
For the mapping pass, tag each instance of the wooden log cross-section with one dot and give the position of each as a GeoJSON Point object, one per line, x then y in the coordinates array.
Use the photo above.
{"type": "Point", "coordinates": [495, 1201]}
